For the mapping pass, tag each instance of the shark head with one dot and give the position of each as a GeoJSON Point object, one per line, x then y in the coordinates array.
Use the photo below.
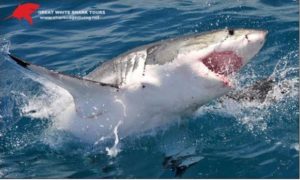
{"type": "Point", "coordinates": [203, 67]}
{"type": "Point", "coordinates": [226, 51]}
{"type": "Point", "coordinates": [222, 53]}
{"type": "Point", "coordinates": [237, 46]}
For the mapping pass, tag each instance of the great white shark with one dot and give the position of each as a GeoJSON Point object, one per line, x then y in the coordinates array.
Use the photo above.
{"type": "Point", "coordinates": [152, 85]}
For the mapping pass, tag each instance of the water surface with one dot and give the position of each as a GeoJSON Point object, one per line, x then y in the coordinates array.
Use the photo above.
{"type": "Point", "coordinates": [225, 139]}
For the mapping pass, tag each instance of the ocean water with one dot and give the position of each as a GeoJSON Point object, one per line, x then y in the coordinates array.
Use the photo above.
{"type": "Point", "coordinates": [224, 139]}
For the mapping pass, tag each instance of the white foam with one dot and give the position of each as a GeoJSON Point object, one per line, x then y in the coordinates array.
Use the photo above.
{"type": "Point", "coordinates": [253, 114]}
{"type": "Point", "coordinates": [114, 150]}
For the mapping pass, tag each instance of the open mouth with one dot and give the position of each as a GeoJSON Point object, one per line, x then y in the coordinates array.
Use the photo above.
{"type": "Point", "coordinates": [223, 64]}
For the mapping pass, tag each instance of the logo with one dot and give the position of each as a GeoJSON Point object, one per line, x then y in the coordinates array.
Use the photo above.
{"type": "Point", "coordinates": [24, 11]}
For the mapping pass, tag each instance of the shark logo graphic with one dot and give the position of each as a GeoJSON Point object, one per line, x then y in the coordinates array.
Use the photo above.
{"type": "Point", "coordinates": [24, 11]}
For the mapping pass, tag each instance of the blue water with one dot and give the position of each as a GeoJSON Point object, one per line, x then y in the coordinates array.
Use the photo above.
{"type": "Point", "coordinates": [229, 140]}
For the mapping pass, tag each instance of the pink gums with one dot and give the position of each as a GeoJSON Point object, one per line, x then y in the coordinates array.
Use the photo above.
{"type": "Point", "coordinates": [223, 63]}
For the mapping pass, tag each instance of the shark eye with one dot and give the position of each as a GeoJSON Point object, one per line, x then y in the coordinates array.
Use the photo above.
{"type": "Point", "coordinates": [246, 36]}
{"type": "Point", "coordinates": [231, 32]}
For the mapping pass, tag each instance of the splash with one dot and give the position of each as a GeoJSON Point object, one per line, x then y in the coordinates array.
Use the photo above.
{"type": "Point", "coordinates": [49, 103]}
{"type": "Point", "coordinates": [179, 161]}
{"type": "Point", "coordinates": [114, 150]}
{"type": "Point", "coordinates": [254, 115]}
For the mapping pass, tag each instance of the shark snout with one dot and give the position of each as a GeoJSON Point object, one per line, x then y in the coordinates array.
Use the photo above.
{"type": "Point", "coordinates": [253, 41]}
{"type": "Point", "coordinates": [257, 36]}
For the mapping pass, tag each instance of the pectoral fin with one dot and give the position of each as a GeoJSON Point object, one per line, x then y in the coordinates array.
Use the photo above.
{"type": "Point", "coordinates": [86, 93]}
